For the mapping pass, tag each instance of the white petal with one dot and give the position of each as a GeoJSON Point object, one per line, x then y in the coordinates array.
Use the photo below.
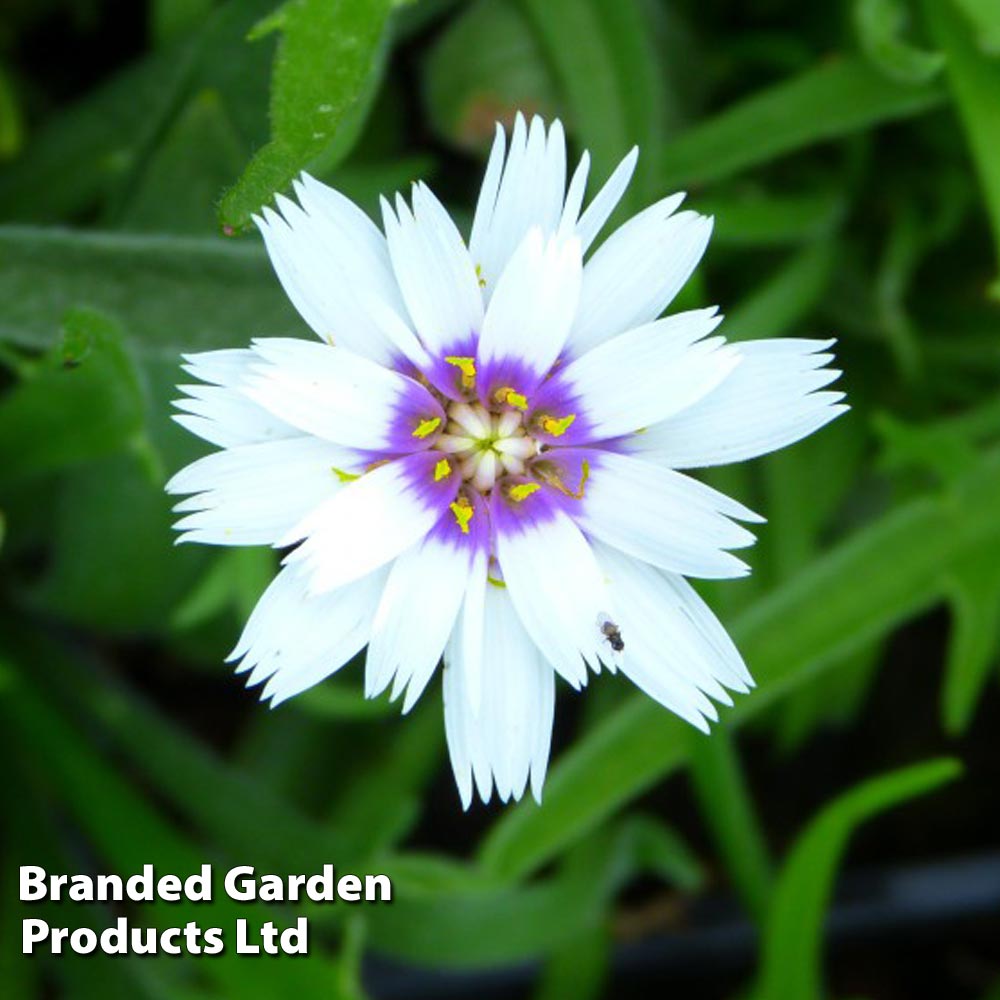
{"type": "Point", "coordinates": [606, 200]}
{"type": "Point", "coordinates": [368, 523]}
{"type": "Point", "coordinates": [297, 639]}
{"type": "Point", "coordinates": [434, 271]}
{"type": "Point", "coordinates": [649, 373]}
{"type": "Point", "coordinates": [254, 494]}
{"type": "Point", "coordinates": [330, 258]}
{"type": "Point", "coordinates": [530, 192]}
{"type": "Point", "coordinates": [535, 300]}
{"type": "Point", "coordinates": [415, 617]}
{"type": "Point", "coordinates": [332, 393]}
{"type": "Point", "coordinates": [508, 740]}
{"type": "Point", "coordinates": [636, 273]}
{"type": "Point", "coordinates": [219, 412]}
{"type": "Point", "coordinates": [769, 401]}
{"type": "Point", "coordinates": [558, 590]}
{"type": "Point", "coordinates": [664, 518]}
{"type": "Point", "coordinates": [675, 649]}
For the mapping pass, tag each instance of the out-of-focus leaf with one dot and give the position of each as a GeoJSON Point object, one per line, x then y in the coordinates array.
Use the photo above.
{"type": "Point", "coordinates": [177, 190]}
{"type": "Point", "coordinates": [974, 643]}
{"type": "Point", "coordinates": [112, 562]}
{"type": "Point", "coordinates": [127, 832]}
{"type": "Point", "coordinates": [880, 25]}
{"type": "Point", "coordinates": [325, 57]}
{"type": "Point", "coordinates": [234, 582]}
{"type": "Point", "coordinates": [727, 807]}
{"type": "Point", "coordinates": [974, 81]}
{"type": "Point", "coordinates": [172, 19]}
{"type": "Point", "coordinates": [485, 66]}
{"type": "Point", "coordinates": [858, 591]}
{"type": "Point", "coordinates": [579, 969]}
{"type": "Point", "coordinates": [91, 151]}
{"type": "Point", "coordinates": [788, 295]}
{"type": "Point", "coordinates": [609, 78]}
{"type": "Point", "coordinates": [839, 97]}
{"type": "Point", "coordinates": [753, 218]}
{"type": "Point", "coordinates": [170, 294]}
{"type": "Point", "coordinates": [11, 127]}
{"type": "Point", "coordinates": [984, 16]}
{"type": "Point", "coordinates": [792, 951]}
{"type": "Point", "coordinates": [83, 402]}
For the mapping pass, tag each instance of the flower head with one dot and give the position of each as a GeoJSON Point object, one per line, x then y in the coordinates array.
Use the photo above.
{"type": "Point", "coordinates": [478, 458]}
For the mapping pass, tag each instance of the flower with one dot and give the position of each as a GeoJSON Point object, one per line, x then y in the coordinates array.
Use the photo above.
{"type": "Point", "coordinates": [477, 459]}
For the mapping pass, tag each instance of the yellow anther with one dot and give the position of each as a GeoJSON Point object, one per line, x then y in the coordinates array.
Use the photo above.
{"type": "Point", "coordinates": [512, 398]}
{"type": "Point", "coordinates": [557, 426]}
{"type": "Point", "coordinates": [549, 474]}
{"type": "Point", "coordinates": [344, 477]}
{"type": "Point", "coordinates": [441, 470]}
{"type": "Point", "coordinates": [479, 276]}
{"type": "Point", "coordinates": [496, 582]}
{"type": "Point", "coordinates": [463, 511]}
{"type": "Point", "coordinates": [522, 491]}
{"type": "Point", "coordinates": [467, 366]}
{"type": "Point", "coordinates": [426, 427]}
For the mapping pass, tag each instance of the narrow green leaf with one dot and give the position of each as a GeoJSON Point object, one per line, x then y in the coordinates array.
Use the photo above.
{"type": "Point", "coordinates": [754, 218]}
{"type": "Point", "coordinates": [325, 57]}
{"type": "Point", "coordinates": [841, 96]}
{"type": "Point", "coordinates": [786, 296]}
{"type": "Point", "coordinates": [974, 82]}
{"type": "Point", "coordinates": [791, 961]}
{"type": "Point", "coordinates": [880, 24]}
{"type": "Point", "coordinates": [974, 642]}
{"type": "Point", "coordinates": [727, 807]}
{"type": "Point", "coordinates": [858, 591]}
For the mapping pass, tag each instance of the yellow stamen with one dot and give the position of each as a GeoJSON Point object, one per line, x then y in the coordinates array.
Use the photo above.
{"type": "Point", "coordinates": [522, 491]}
{"type": "Point", "coordinates": [463, 511]}
{"type": "Point", "coordinates": [554, 480]}
{"type": "Point", "coordinates": [557, 426]}
{"type": "Point", "coordinates": [496, 582]}
{"type": "Point", "coordinates": [426, 427]}
{"type": "Point", "coordinates": [344, 477]}
{"type": "Point", "coordinates": [467, 366]}
{"type": "Point", "coordinates": [512, 398]}
{"type": "Point", "coordinates": [441, 470]}
{"type": "Point", "coordinates": [479, 275]}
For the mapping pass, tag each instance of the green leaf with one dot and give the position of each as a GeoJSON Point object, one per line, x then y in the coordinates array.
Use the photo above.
{"type": "Point", "coordinates": [486, 65]}
{"type": "Point", "coordinates": [792, 949]}
{"type": "Point", "coordinates": [126, 832]}
{"type": "Point", "coordinates": [841, 96]}
{"type": "Point", "coordinates": [325, 57]}
{"type": "Point", "coordinates": [169, 294]}
{"type": "Point", "coordinates": [82, 402]}
{"type": "Point", "coordinates": [727, 807]}
{"type": "Point", "coordinates": [858, 591]}
{"type": "Point", "coordinates": [754, 218]}
{"type": "Point", "coordinates": [974, 82]}
{"type": "Point", "coordinates": [11, 127]}
{"type": "Point", "coordinates": [177, 190]}
{"type": "Point", "coordinates": [786, 297]}
{"type": "Point", "coordinates": [609, 78]}
{"type": "Point", "coordinates": [880, 24]}
{"type": "Point", "coordinates": [984, 16]}
{"type": "Point", "coordinates": [974, 642]}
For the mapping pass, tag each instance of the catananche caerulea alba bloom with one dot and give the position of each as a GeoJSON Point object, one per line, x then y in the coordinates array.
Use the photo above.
{"type": "Point", "coordinates": [478, 457]}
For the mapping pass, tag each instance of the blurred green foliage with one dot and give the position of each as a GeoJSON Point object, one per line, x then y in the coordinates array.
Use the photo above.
{"type": "Point", "coordinates": [851, 154]}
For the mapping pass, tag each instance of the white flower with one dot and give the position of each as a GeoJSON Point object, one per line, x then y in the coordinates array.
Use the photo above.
{"type": "Point", "coordinates": [478, 458]}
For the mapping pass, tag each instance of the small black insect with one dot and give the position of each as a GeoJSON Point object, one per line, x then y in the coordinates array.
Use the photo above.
{"type": "Point", "coordinates": [611, 632]}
